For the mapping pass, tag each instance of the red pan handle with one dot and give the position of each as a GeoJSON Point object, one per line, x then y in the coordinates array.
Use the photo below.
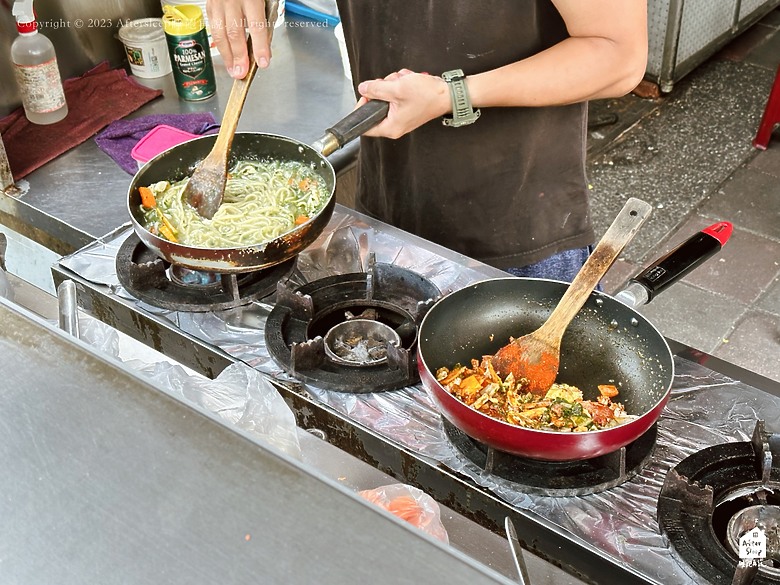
{"type": "Point", "coordinates": [676, 264]}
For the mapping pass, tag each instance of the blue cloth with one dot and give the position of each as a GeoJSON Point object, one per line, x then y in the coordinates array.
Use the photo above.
{"type": "Point", "coordinates": [562, 266]}
{"type": "Point", "coordinates": [120, 137]}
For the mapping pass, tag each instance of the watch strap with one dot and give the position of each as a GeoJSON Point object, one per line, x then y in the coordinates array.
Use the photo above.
{"type": "Point", "coordinates": [462, 111]}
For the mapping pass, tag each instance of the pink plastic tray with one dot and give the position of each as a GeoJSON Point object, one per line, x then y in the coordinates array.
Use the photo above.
{"type": "Point", "coordinates": [157, 140]}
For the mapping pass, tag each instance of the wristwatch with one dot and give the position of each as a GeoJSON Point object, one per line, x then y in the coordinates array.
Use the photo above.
{"type": "Point", "coordinates": [462, 112]}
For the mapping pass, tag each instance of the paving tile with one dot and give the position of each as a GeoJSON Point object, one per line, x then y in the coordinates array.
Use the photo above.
{"type": "Point", "coordinates": [690, 154]}
{"type": "Point", "coordinates": [772, 18]}
{"type": "Point", "coordinates": [766, 54]}
{"type": "Point", "coordinates": [744, 44]}
{"type": "Point", "coordinates": [742, 270]}
{"type": "Point", "coordinates": [618, 275]}
{"type": "Point", "coordinates": [754, 344]}
{"type": "Point", "coordinates": [750, 199]}
{"type": "Point", "coordinates": [680, 152]}
{"type": "Point", "coordinates": [695, 317]}
{"type": "Point", "coordinates": [625, 111]}
{"type": "Point", "coordinates": [770, 300]}
{"type": "Point", "coordinates": [768, 161]}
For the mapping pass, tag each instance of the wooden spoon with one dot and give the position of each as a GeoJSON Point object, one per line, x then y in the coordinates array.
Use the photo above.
{"type": "Point", "coordinates": [206, 187]}
{"type": "Point", "coordinates": [536, 356]}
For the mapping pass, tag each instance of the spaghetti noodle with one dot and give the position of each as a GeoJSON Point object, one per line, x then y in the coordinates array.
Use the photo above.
{"type": "Point", "coordinates": [262, 201]}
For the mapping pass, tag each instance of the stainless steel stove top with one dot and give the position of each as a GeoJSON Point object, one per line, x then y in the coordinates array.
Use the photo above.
{"type": "Point", "coordinates": [614, 532]}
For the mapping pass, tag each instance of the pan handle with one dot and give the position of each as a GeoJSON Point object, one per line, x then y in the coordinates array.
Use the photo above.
{"type": "Point", "coordinates": [351, 126]}
{"type": "Point", "coordinates": [670, 268]}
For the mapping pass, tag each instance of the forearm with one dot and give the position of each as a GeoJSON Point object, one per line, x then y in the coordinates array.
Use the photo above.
{"type": "Point", "coordinates": [575, 70]}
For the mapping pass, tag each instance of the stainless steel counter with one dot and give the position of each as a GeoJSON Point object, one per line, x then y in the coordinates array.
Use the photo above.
{"type": "Point", "coordinates": [108, 479]}
{"type": "Point", "coordinates": [302, 93]}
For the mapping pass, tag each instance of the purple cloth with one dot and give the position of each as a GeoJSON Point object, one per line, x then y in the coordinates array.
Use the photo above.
{"type": "Point", "coordinates": [120, 137]}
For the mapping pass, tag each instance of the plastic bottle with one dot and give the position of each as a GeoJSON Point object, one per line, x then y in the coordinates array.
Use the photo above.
{"type": "Point", "coordinates": [36, 70]}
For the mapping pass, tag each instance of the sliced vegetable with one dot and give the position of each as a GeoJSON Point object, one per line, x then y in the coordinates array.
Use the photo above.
{"type": "Point", "coordinates": [147, 197]}
{"type": "Point", "coordinates": [168, 234]}
{"type": "Point", "coordinates": [608, 390]}
{"type": "Point", "coordinates": [166, 227]}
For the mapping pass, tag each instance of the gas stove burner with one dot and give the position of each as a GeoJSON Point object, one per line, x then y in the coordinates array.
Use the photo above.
{"type": "Point", "coordinates": [156, 282]}
{"type": "Point", "coordinates": [557, 478]}
{"type": "Point", "coordinates": [711, 495]}
{"type": "Point", "coordinates": [360, 342]}
{"type": "Point", "coordinates": [189, 277]}
{"type": "Point", "coordinates": [757, 523]}
{"type": "Point", "coordinates": [388, 300]}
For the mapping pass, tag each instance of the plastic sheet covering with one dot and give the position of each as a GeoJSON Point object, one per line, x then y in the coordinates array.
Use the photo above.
{"type": "Point", "coordinates": [705, 409]}
{"type": "Point", "coordinates": [239, 395]}
{"type": "Point", "coordinates": [411, 505]}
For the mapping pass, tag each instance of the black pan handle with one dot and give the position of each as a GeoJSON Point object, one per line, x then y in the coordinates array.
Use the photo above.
{"type": "Point", "coordinates": [351, 126]}
{"type": "Point", "coordinates": [670, 268]}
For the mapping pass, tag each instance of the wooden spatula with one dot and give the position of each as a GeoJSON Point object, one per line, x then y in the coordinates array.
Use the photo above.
{"type": "Point", "coordinates": [206, 187]}
{"type": "Point", "coordinates": [536, 356]}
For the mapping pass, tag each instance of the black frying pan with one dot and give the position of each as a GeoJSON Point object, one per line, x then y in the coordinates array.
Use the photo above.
{"type": "Point", "coordinates": [179, 162]}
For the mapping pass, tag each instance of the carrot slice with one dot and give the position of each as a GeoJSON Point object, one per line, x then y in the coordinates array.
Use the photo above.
{"type": "Point", "coordinates": [406, 508]}
{"type": "Point", "coordinates": [301, 219]}
{"type": "Point", "coordinates": [609, 390]}
{"type": "Point", "coordinates": [166, 222]}
{"type": "Point", "coordinates": [168, 234]}
{"type": "Point", "coordinates": [147, 197]}
{"type": "Point", "coordinates": [470, 384]}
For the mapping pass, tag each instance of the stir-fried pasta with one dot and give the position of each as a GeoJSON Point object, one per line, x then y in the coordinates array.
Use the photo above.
{"type": "Point", "coordinates": [262, 201]}
{"type": "Point", "coordinates": [562, 408]}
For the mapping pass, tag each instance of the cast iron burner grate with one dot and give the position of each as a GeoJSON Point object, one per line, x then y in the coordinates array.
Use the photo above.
{"type": "Point", "coordinates": [153, 280]}
{"type": "Point", "coordinates": [393, 297]}
{"type": "Point", "coordinates": [558, 478]}
{"type": "Point", "coordinates": [705, 490]}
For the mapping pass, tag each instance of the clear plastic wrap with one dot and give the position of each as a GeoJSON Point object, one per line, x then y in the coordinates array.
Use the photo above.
{"type": "Point", "coordinates": [706, 408]}
{"type": "Point", "coordinates": [411, 505]}
{"type": "Point", "coordinates": [240, 396]}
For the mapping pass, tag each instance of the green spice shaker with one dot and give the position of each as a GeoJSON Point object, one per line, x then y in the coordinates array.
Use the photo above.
{"type": "Point", "coordinates": [188, 47]}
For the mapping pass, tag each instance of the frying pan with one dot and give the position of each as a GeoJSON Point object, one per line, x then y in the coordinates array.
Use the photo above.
{"type": "Point", "coordinates": [608, 342]}
{"type": "Point", "coordinates": [180, 161]}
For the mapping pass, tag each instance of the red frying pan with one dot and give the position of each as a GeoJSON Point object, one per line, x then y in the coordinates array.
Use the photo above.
{"type": "Point", "coordinates": [608, 342]}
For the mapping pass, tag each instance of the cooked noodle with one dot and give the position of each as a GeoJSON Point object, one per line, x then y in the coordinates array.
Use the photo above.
{"type": "Point", "coordinates": [262, 201]}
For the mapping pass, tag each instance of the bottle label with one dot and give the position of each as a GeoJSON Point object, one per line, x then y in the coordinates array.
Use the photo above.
{"type": "Point", "coordinates": [193, 70]}
{"type": "Point", "coordinates": [190, 58]}
{"type": "Point", "coordinates": [40, 86]}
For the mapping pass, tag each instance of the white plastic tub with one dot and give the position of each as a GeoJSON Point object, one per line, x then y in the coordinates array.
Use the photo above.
{"type": "Point", "coordinates": [147, 51]}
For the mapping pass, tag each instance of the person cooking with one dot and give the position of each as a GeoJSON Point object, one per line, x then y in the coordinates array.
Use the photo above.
{"type": "Point", "coordinates": [483, 149]}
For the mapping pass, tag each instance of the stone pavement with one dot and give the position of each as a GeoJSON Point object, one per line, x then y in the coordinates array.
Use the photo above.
{"type": "Point", "coordinates": [689, 154]}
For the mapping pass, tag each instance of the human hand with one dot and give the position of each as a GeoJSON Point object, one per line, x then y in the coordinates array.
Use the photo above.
{"type": "Point", "coordinates": [228, 21]}
{"type": "Point", "coordinates": [414, 98]}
